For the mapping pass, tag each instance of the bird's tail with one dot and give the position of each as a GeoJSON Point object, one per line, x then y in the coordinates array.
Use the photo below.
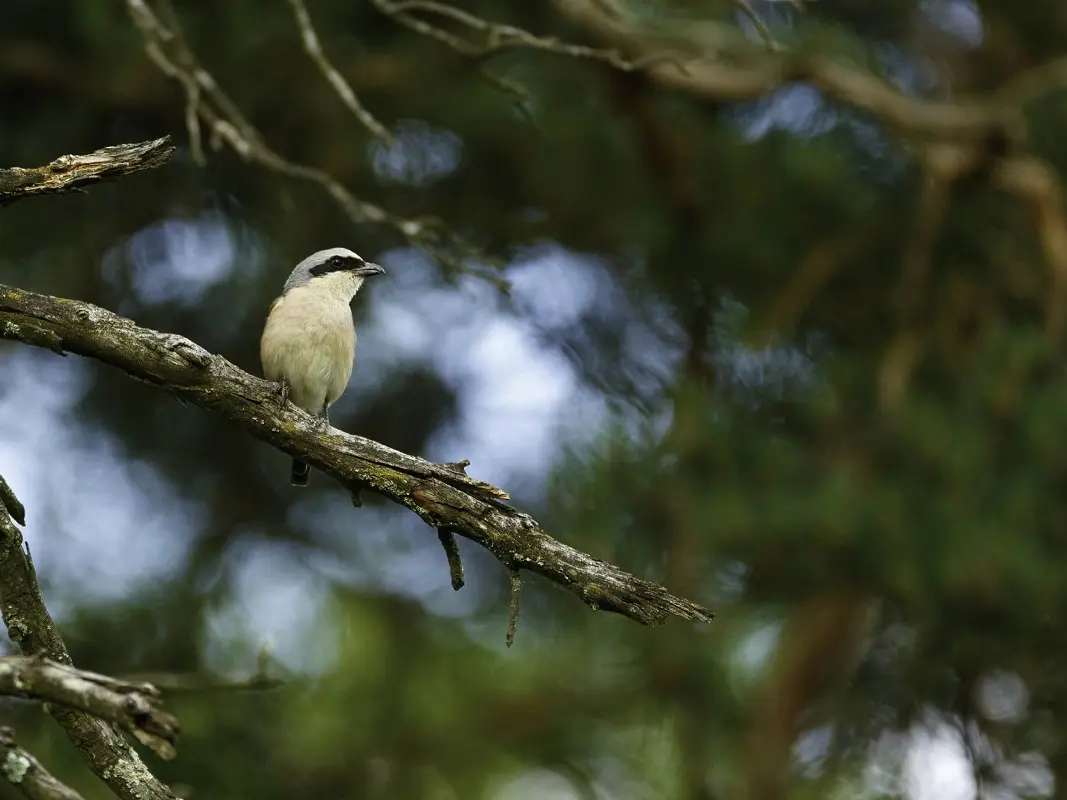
{"type": "Point", "coordinates": [301, 472]}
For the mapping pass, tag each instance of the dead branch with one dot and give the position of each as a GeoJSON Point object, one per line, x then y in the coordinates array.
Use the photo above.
{"type": "Point", "coordinates": [30, 626]}
{"type": "Point", "coordinates": [441, 495]}
{"type": "Point", "coordinates": [73, 172]}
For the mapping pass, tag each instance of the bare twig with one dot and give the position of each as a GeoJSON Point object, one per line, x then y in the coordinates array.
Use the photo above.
{"type": "Point", "coordinates": [764, 32]}
{"type": "Point", "coordinates": [30, 626]}
{"type": "Point", "coordinates": [442, 496]}
{"type": "Point", "coordinates": [132, 707]}
{"type": "Point", "coordinates": [194, 683]}
{"type": "Point", "coordinates": [455, 562]}
{"type": "Point", "coordinates": [513, 606]}
{"type": "Point", "coordinates": [339, 84]}
{"type": "Point", "coordinates": [26, 775]}
{"type": "Point", "coordinates": [447, 537]}
{"type": "Point", "coordinates": [72, 172]}
{"type": "Point", "coordinates": [496, 37]}
{"type": "Point", "coordinates": [206, 102]}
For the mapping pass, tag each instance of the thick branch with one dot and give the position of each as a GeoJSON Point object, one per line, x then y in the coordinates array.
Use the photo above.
{"type": "Point", "coordinates": [25, 773]}
{"type": "Point", "coordinates": [71, 173]}
{"type": "Point", "coordinates": [30, 626]}
{"type": "Point", "coordinates": [131, 706]}
{"type": "Point", "coordinates": [442, 496]}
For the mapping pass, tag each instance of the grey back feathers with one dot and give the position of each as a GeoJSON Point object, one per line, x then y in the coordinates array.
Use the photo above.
{"type": "Point", "coordinates": [335, 259]}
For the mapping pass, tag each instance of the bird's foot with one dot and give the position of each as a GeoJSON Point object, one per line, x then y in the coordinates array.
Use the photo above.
{"type": "Point", "coordinates": [281, 392]}
{"type": "Point", "coordinates": [324, 420]}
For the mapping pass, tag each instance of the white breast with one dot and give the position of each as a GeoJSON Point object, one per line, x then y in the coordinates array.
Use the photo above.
{"type": "Point", "coordinates": [310, 342]}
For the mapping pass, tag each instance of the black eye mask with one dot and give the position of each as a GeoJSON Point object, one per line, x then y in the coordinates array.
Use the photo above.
{"type": "Point", "coordinates": [337, 264]}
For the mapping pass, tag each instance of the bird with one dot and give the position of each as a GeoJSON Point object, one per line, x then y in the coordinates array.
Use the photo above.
{"type": "Point", "coordinates": [308, 344]}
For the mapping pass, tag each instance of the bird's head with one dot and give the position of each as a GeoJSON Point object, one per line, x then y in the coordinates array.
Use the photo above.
{"type": "Point", "coordinates": [337, 267]}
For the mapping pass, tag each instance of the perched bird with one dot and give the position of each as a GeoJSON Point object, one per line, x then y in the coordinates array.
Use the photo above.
{"type": "Point", "coordinates": [309, 340]}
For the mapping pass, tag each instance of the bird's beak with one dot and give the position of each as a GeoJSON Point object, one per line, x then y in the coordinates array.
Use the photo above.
{"type": "Point", "coordinates": [367, 270]}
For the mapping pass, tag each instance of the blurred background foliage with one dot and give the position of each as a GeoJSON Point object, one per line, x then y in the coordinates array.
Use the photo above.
{"type": "Point", "coordinates": [861, 478]}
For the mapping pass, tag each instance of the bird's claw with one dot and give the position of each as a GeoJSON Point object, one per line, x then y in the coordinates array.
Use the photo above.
{"type": "Point", "coordinates": [324, 420]}
{"type": "Point", "coordinates": [281, 391]}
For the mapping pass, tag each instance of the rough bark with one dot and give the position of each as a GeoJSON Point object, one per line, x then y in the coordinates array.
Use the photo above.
{"type": "Point", "coordinates": [26, 775]}
{"type": "Point", "coordinates": [71, 173]}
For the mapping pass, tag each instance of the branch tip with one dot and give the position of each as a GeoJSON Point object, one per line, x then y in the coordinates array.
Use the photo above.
{"type": "Point", "coordinates": [11, 503]}
{"type": "Point", "coordinates": [70, 173]}
{"type": "Point", "coordinates": [455, 564]}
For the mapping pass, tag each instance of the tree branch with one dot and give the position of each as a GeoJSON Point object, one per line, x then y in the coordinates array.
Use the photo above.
{"type": "Point", "coordinates": [313, 47]}
{"type": "Point", "coordinates": [195, 683]}
{"type": "Point", "coordinates": [717, 60]}
{"type": "Point", "coordinates": [25, 773]}
{"type": "Point", "coordinates": [131, 706]}
{"type": "Point", "coordinates": [30, 626]}
{"type": "Point", "coordinates": [442, 496]}
{"type": "Point", "coordinates": [721, 63]}
{"type": "Point", "coordinates": [11, 503]}
{"type": "Point", "coordinates": [71, 173]}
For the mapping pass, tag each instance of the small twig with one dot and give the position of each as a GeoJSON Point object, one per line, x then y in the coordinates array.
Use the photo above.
{"type": "Point", "coordinates": [761, 27]}
{"type": "Point", "coordinates": [191, 682]}
{"type": "Point", "coordinates": [192, 123]}
{"type": "Point", "coordinates": [497, 37]}
{"type": "Point", "coordinates": [72, 172]}
{"type": "Point", "coordinates": [513, 606]}
{"type": "Point", "coordinates": [26, 775]}
{"type": "Point", "coordinates": [339, 84]}
{"type": "Point", "coordinates": [455, 564]}
{"type": "Point", "coordinates": [11, 503]}
{"type": "Point", "coordinates": [447, 537]}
